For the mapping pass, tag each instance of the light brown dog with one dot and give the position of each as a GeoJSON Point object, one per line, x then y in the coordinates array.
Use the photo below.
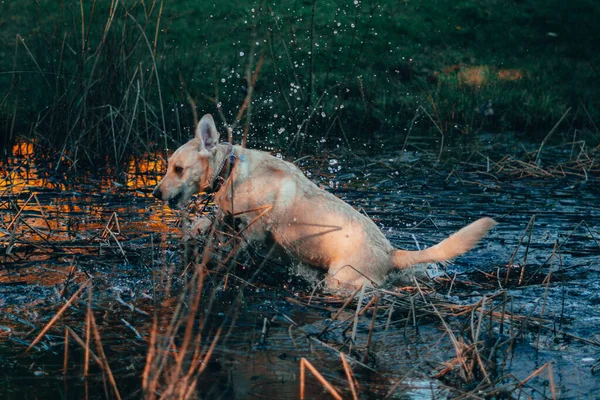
{"type": "Point", "coordinates": [272, 195]}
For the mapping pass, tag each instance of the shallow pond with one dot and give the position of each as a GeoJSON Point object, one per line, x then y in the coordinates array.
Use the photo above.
{"type": "Point", "coordinates": [60, 229]}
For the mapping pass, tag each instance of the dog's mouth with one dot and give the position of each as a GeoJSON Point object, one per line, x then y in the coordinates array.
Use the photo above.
{"type": "Point", "coordinates": [174, 202]}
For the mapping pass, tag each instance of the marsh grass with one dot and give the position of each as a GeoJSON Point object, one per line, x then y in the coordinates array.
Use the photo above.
{"type": "Point", "coordinates": [177, 341]}
{"type": "Point", "coordinates": [100, 79]}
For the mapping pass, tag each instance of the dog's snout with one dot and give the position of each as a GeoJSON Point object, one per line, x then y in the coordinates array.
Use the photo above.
{"type": "Point", "coordinates": [157, 193]}
{"type": "Point", "coordinates": [174, 201]}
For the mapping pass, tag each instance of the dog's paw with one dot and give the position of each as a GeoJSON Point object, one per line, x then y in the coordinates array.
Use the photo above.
{"type": "Point", "coordinates": [198, 228]}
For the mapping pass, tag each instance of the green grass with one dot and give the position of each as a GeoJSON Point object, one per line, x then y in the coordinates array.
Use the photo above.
{"type": "Point", "coordinates": [373, 65]}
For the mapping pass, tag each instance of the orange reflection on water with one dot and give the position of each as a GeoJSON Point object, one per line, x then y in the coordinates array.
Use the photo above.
{"type": "Point", "coordinates": [41, 207]}
{"type": "Point", "coordinates": [143, 172]}
{"type": "Point", "coordinates": [23, 148]}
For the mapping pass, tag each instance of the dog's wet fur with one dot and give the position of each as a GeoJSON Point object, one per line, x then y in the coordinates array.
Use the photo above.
{"type": "Point", "coordinates": [273, 196]}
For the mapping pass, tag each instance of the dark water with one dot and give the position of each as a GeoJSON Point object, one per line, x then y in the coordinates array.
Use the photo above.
{"type": "Point", "coordinates": [106, 226]}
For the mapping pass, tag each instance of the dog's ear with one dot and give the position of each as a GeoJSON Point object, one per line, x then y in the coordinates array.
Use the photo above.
{"type": "Point", "coordinates": [207, 133]}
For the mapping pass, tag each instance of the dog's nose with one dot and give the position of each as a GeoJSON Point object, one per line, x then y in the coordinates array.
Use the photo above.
{"type": "Point", "coordinates": [157, 193]}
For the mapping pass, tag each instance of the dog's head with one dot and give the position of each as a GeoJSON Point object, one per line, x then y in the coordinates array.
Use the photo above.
{"type": "Point", "coordinates": [191, 168]}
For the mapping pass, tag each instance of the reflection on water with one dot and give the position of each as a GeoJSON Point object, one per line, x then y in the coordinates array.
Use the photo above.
{"type": "Point", "coordinates": [49, 212]}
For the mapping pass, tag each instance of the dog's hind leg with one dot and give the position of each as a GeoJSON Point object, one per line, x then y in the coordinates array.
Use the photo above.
{"type": "Point", "coordinates": [348, 277]}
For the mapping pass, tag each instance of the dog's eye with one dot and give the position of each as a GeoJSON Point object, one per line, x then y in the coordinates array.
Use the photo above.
{"type": "Point", "coordinates": [178, 170]}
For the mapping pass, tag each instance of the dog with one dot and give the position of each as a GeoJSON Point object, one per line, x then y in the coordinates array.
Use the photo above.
{"type": "Point", "coordinates": [269, 195]}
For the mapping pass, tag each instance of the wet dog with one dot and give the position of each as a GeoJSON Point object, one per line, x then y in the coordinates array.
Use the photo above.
{"type": "Point", "coordinates": [273, 196]}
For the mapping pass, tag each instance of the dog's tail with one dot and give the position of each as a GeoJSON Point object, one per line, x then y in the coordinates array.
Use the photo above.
{"type": "Point", "coordinates": [456, 244]}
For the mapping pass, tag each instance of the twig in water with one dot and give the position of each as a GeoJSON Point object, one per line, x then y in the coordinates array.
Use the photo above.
{"type": "Point", "coordinates": [366, 356]}
{"type": "Point", "coordinates": [512, 258]}
{"type": "Point", "coordinates": [103, 358]}
{"type": "Point", "coordinates": [88, 333]}
{"type": "Point", "coordinates": [19, 212]}
{"type": "Point", "coordinates": [348, 301]}
{"type": "Point", "coordinates": [349, 376]}
{"type": "Point", "coordinates": [304, 363]}
{"type": "Point", "coordinates": [387, 324]}
{"type": "Point", "coordinates": [356, 314]}
{"type": "Point", "coordinates": [439, 130]}
{"type": "Point", "coordinates": [66, 353]}
{"type": "Point", "coordinates": [82, 344]}
{"type": "Point", "coordinates": [57, 316]}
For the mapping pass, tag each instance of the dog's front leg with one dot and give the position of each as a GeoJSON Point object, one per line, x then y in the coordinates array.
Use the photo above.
{"type": "Point", "coordinates": [196, 229]}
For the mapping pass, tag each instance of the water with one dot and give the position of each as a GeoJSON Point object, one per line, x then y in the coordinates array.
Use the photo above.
{"type": "Point", "coordinates": [106, 226]}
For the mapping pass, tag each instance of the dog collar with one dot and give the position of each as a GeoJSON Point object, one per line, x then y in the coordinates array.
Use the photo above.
{"type": "Point", "coordinates": [224, 173]}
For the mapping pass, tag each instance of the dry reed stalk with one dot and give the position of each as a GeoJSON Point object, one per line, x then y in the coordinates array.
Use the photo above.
{"type": "Point", "coordinates": [40, 70]}
{"type": "Point", "coordinates": [42, 212]}
{"type": "Point", "coordinates": [19, 212]}
{"type": "Point", "coordinates": [356, 314]}
{"type": "Point", "coordinates": [547, 281]}
{"type": "Point", "coordinates": [551, 379]}
{"type": "Point", "coordinates": [88, 331]}
{"type": "Point", "coordinates": [360, 314]}
{"type": "Point", "coordinates": [512, 258]}
{"type": "Point", "coordinates": [160, 11]}
{"type": "Point", "coordinates": [304, 363]}
{"type": "Point", "coordinates": [68, 278]}
{"type": "Point", "coordinates": [526, 251]}
{"type": "Point", "coordinates": [475, 333]}
{"type": "Point", "coordinates": [160, 99]}
{"type": "Point", "coordinates": [196, 296]}
{"type": "Point", "coordinates": [83, 346]}
{"type": "Point", "coordinates": [248, 97]}
{"type": "Point", "coordinates": [538, 156]}
{"type": "Point", "coordinates": [194, 372]}
{"type": "Point", "coordinates": [57, 316]}
{"type": "Point", "coordinates": [533, 375]}
{"type": "Point", "coordinates": [387, 324]}
{"type": "Point", "coordinates": [118, 242]}
{"type": "Point", "coordinates": [414, 368]}
{"type": "Point", "coordinates": [412, 123]}
{"type": "Point", "coordinates": [502, 315]}
{"type": "Point", "coordinates": [103, 358]}
{"type": "Point", "coordinates": [333, 349]}
{"type": "Point", "coordinates": [66, 352]}
{"type": "Point", "coordinates": [349, 376]}
{"type": "Point", "coordinates": [459, 346]}
{"type": "Point", "coordinates": [481, 364]}
{"type": "Point", "coordinates": [150, 356]}
{"type": "Point", "coordinates": [369, 337]}
{"type": "Point", "coordinates": [438, 128]}
{"type": "Point", "coordinates": [181, 376]}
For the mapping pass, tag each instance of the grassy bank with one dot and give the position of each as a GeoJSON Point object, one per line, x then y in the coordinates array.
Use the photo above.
{"type": "Point", "coordinates": [107, 77]}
